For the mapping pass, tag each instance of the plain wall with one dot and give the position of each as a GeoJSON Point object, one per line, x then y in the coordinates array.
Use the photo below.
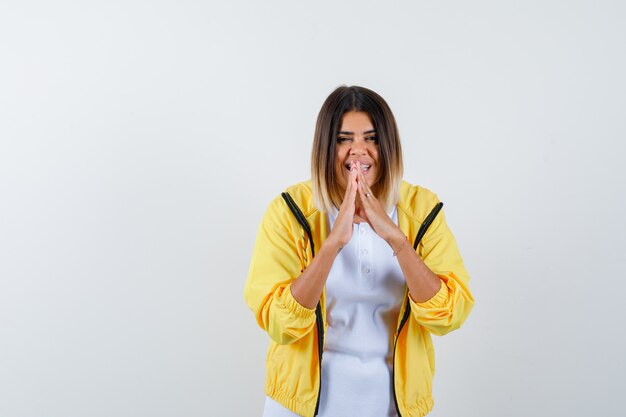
{"type": "Point", "coordinates": [141, 142]}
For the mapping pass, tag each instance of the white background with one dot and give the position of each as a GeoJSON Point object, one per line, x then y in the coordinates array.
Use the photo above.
{"type": "Point", "coordinates": [141, 142]}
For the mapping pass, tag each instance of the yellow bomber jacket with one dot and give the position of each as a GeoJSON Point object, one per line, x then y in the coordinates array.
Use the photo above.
{"type": "Point", "coordinates": [282, 252]}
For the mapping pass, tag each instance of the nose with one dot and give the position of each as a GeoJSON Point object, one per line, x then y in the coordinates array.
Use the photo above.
{"type": "Point", "coordinates": [358, 147]}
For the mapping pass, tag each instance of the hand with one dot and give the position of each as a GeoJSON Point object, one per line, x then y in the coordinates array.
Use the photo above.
{"type": "Point", "coordinates": [374, 213]}
{"type": "Point", "coordinates": [342, 229]}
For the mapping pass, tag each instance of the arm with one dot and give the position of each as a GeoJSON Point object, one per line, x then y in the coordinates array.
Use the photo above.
{"type": "Point", "coordinates": [307, 289]}
{"type": "Point", "coordinates": [282, 291]}
{"type": "Point", "coordinates": [438, 285]}
{"type": "Point", "coordinates": [422, 282]}
{"type": "Point", "coordinates": [277, 260]}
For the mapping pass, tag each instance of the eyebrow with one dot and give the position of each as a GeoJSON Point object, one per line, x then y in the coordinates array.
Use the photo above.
{"type": "Point", "coordinates": [343, 132]}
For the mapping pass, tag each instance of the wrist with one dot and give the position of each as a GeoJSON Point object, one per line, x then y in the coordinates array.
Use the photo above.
{"type": "Point", "coordinates": [396, 238]}
{"type": "Point", "coordinates": [405, 242]}
{"type": "Point", "coordinates": [332, 244]}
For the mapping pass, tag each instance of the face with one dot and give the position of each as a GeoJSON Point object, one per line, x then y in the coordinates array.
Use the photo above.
{"type": "Point", "coordinates": [357, 141]}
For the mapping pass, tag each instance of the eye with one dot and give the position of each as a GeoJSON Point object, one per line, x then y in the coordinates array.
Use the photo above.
{"type": "Point", "coordinates": [342, 139]}
{"type": "Point", "coordinates": [373, 138]}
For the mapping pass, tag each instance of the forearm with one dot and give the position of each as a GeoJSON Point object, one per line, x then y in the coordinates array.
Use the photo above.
{"type": "Point", "coordinates": [422, 282]}
{"type": "Point", "coordinates": [307, 288]}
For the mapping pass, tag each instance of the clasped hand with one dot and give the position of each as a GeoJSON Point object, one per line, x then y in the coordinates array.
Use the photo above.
{"type": "Point", "coordinates": [368, 208]}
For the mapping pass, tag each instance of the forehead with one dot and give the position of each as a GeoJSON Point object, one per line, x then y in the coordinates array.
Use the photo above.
{"type": "Point", "coordinates": [356, 122]}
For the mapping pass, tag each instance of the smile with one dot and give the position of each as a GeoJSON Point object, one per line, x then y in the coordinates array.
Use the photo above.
{"type": "Point", "coordinates": [364, 167]}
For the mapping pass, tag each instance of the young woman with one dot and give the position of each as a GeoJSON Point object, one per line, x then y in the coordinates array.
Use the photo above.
{"type": "Point", "coordinates": [352, 272]}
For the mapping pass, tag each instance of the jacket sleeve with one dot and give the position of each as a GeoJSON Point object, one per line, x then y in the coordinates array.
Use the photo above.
{"type": "Point", "coordinates": [450, 306]}
{"type": "Point", "coordinates": [277, 260]}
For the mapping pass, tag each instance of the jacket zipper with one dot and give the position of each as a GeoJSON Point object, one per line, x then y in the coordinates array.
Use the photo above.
{"type": "Point", "coordinates": [407, 310]}
{"type": "Point", "coordinates": [320, 349]}
{"type": "Point", "coordinates": [319, 322]}
{"type": "Point", "coordinates": [318, 310]}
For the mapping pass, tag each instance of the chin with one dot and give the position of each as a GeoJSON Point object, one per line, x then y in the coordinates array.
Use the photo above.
{"type": "Point", "coordinates": [371, 179]}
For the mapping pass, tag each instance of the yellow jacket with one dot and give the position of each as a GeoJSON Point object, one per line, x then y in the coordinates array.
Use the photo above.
{"type": "Point", "coordinates": [282, 252]}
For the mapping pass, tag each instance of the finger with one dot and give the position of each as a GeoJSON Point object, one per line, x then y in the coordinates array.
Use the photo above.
{"type": "Point", "coordinates": [364, 191]}
{"type": "Point", "coordinates": [351, 188]}
{"type": "Point", "coordinates": [349, 185]}
{"type": "Point", "coordinates": [354, 186]}
{"type": "Point", "coordinates": [365, 199]}
{"type": "Point", "coordinates": [362, 180]}
{"type": "Point", "coordinates": [346, 194]}
{"type": "Point", "coordinates": [366, 204]}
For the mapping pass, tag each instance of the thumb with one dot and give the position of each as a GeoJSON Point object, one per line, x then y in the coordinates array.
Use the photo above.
{"type": "Point", "coordinates": [354, 187]}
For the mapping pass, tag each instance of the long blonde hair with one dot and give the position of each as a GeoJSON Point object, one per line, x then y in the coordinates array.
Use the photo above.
{"type": "Point", "coordinates": [327, 192]}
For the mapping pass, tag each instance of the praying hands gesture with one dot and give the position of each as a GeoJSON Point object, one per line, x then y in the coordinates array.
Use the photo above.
{"type": "Point", "coordinates": [360, 203]}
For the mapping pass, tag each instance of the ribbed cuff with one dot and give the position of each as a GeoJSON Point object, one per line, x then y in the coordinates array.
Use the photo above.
{"type": "Point", "coordinates": [436, 301]}
{"type": "Point", "coordinates": [294, 306]}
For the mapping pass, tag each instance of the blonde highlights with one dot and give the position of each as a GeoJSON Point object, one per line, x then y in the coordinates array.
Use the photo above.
{"type": "Point", "coordinates": [327, 192]}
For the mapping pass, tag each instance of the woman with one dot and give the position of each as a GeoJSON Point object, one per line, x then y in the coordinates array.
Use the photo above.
{"type": "Point", "coordinates": [348, 304]}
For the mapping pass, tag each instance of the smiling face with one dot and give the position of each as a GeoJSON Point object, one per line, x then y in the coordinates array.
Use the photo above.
{"type": "Point", "coordinates": [336, 143]}
{"type": "Point", "coordinates": [357, 141]}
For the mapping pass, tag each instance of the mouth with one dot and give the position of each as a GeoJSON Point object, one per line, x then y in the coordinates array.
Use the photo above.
{"type": "Point", "coordinates": [364, 167]}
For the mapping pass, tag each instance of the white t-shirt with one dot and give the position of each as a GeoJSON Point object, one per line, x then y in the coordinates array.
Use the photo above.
{"type": "Point", "coordinates": [364, 290]}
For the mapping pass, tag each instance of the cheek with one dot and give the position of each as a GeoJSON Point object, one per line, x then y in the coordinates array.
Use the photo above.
{"type": "Point", "coordinates": [376, 159]}
{"type": "Point", "coordinates": [339, 171]}
{"type": "Point", "coordinates": [339, 160]}
{"type": "Point", "coordinates": [377, 172]}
